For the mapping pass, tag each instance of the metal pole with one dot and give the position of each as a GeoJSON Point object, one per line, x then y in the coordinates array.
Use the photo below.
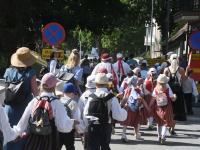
{"type": "Point", "coordinates": [151, 51]}
{"type": "Point", "coordinates": [167, 29]}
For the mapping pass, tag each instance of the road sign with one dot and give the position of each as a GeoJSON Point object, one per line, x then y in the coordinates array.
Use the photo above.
{"type": "Point", "coordinates": [53, 34]}
{"type": "Point", "coordinates": [194, 40]}
{"type": "Point", "coordinates": [47, 52]}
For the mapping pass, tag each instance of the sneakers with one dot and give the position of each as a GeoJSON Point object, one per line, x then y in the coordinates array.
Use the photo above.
{"type": "Point", "coordinates": [124, 139]}
{"type": "Point", "coordinates": [138, 137]}
{"type": "Point", "coordinates": [163, 141]}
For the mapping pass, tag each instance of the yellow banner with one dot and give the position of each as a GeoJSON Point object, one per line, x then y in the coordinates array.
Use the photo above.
{"type": "Point", "coordinates": [47, 52]}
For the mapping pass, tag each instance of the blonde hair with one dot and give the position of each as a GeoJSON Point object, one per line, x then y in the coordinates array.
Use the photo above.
{"type": "Point", "coordinates": [73, 60]}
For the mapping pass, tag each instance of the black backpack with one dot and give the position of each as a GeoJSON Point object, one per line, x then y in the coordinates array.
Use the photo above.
{"type": "Point", "coordinates": [41, 118]}
{"type": "Point", "coordinates": [174, 83]}
{"type": "Point", "coordinates": [15, 92]}
{"type": "Point", "coordinates": [98, 108]}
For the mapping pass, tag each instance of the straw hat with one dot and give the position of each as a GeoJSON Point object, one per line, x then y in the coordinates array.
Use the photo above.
{"type": "Point", "coordinates": [101, 78]}
{"type": "Point", "coordinates": [23, 58]}
{"type": "Point", "coordinates": [162, 78]}
{"type": "Point", "coordinates": [59, 87]}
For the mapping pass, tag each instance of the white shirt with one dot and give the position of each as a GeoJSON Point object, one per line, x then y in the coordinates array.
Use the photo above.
{"type": "Point", "coordinates": [83, 100]}
{"type": "Point", "coordinates": [106, 65]}
{"type": "Point", "coordinates": [8, 133]}
{"type": "Point", "coordinates": [75, 112]}
{"type": "Point", "coordinates": [62, 121]}
{"type": "Point", "coordinates": [53, 68]}
{"type": "Point", "coordinates": [118, 113]}
{"type": "Point", "coordinates": [125, 66]}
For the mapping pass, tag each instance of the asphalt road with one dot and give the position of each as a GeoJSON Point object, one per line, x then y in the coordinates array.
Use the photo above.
{"type": "Point", "coordinates": [187, 138]}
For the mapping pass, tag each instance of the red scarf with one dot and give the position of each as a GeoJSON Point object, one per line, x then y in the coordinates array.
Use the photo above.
{"type": "Point", "coordinates": [120, 66]}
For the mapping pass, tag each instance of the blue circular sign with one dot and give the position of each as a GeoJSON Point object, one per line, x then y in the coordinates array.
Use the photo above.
{"type": "Point", "coordinates": [53, 34]}
{"type": "Point", "coordinates": [194, 40]}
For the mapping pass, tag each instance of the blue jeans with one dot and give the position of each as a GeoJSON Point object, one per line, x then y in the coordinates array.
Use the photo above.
{"type": "Point", "coordinates": [96, 137]}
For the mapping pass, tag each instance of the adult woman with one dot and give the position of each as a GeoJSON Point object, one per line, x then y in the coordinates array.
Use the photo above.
{"type": "Point", "coordinates": [72, 66]}
{"type": "Point", "coordinates": [54, 64]}
{"type": "Point", "coordinates": [178, 106]}
{"type": "Point", "coordinates": [21, 62]}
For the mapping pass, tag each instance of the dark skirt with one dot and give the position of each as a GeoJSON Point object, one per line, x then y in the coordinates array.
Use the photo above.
{"type": "Point", "coordinates": [179, 107]}
{"type": "Point", "coordinates": [43, 142]}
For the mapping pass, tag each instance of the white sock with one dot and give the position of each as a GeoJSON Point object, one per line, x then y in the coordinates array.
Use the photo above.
{"type": "Point", "coordinates": [150, 120]}
{"type": "Point", "coordinates": [164, 130]}
{"type": "Point", "coordinates": [159, 130]}
{"type": "Point", "coordinates": [124, 130]}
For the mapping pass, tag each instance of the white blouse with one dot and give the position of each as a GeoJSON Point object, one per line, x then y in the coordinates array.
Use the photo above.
{"type": "Point", "coordinates": [8, 133]}
{"type": "Point", "coordinates": [62, 121]}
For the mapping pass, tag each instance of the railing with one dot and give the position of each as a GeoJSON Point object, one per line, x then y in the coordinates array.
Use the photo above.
{"type": "Point", "coordinates": [189, 5]}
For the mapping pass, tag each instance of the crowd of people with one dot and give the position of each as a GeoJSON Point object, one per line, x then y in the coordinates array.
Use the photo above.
{"type": "Point", "coordinates": [128, 92]}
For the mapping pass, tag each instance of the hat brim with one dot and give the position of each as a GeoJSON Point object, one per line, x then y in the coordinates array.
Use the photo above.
{"type": "Point", "coordinates": [18, 63]}
{"type": "Point", "coordinates": [102, 82]}
{"type": "Point", "coordinates": [89, 86]}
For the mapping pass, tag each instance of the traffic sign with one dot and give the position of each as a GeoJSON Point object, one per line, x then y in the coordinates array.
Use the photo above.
{"type": "Point", "coordinates": [47, 52]}
{"type": "Point", "coordinates": [194, 40]}
{"type": "Point", "coordinates": [53, 34]}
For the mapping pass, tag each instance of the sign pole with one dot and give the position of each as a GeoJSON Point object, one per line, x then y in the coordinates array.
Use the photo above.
{"type": "Point", "coordinates": [80, 41]}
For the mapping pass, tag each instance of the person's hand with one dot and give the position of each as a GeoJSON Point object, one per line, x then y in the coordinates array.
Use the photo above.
{"type": "Point", "coordinates": [120, 95]}
{"type": "Point", "coordinates": [175, 96]}
{"type": "Point", "coordinates": [76, 122]}
{"type": "Point", "coordinates": [17, 139]}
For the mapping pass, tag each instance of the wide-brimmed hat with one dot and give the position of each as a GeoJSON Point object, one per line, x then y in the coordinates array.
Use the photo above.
{"type": "Point", "coordinates": [23, 58]}
{"type": "Point", "coordinates": [162, 78]}
{"type": "Point", "coordinates": [49, 80]}
{"type": "Point", "coordinates": [59, 87]}
{"type": "Point", "coordinates": [90, 80]}
{"type": "Point", "coordinates": [105, 57]}
{"type": "Point", "coordinates": [101, 78]}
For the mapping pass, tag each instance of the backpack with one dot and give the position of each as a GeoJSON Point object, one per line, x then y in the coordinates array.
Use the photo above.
{"type": "Point", "coordinates": [174, 83]}
{"type": "Point", "coordinates": [15, 92]}
{"type": "Point", "coordinates": [41, 118]}
{"type": "Point", "coordinates": [69, 111]}
{"type": "Point", "coordinates": [98, 108]}
{"type": "Point", "coordinates": [161, 98]}
{"type": "Point", "coordinates": [134, 100]}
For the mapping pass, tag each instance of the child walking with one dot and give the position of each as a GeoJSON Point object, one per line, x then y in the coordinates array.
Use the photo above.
{"type": "Point", "coordinates": [134, 118]}
{"type": "Point", "coordinates": [68, 139]}
{"type": "Point", "coordinates": [59, 122]}
{"type": "Point", "coordinates": [164, 114]}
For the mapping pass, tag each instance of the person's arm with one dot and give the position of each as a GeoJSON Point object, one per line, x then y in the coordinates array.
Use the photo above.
{"type": "Point", "coordinates": [76, 114]}
{"type": "Point", "coordinates": [34, 86]}
{"type": "Point", "coordinates": [62, 121]}
{"type": "Point", "coordinates": [8, 133]}
{"type": "Point", "coordinates": [23, 122]}
{"type": "Point", "coordinates": [118, 113]}
{"type": "Point", "coordinates": [53, 64]}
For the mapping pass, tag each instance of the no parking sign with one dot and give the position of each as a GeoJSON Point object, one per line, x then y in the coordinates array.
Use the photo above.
{"type": "Point", "coordinates": [53, 34]}
{"type": "Point", "coordinates": [194, 40]}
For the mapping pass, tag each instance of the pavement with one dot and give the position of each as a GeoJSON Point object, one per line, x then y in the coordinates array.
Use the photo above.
{"type": "Point", "coordinates": [187, 138]}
